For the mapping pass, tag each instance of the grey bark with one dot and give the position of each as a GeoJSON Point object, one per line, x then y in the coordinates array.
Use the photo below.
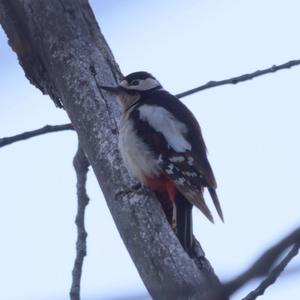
{"type": "Point", "coordinates": [63, 53]}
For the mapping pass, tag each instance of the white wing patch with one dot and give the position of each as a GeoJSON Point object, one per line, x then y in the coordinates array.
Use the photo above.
{"type": "Point", "coordinates": [178, 158]}
{"type": "Point", "coordinates": [165, 122]}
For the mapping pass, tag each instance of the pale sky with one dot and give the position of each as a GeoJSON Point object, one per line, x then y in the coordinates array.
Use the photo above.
{"type": "Point", "coordinates": [251, 131]}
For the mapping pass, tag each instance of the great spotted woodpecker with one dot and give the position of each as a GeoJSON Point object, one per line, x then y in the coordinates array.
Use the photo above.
{"type": "Point", "coordinates": [162, 146]}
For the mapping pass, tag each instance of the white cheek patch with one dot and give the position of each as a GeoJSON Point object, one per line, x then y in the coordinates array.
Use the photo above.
{"type": "Point", "coordinates": [165, 122]}
{"type": "Point", "coordinates": [147, 84]}
{"type": "Point", "coordinates": [144, 84]}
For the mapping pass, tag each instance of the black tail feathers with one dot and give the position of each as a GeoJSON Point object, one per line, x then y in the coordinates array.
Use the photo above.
{"type": "Point", "coordinates": [184, 222]}
{"type": "Point", "coordinates": [216, 202]}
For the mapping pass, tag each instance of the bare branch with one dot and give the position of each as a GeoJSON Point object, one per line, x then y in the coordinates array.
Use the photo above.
{"type": "Point", "coordinates": [81, 166]}
{"type": "Point", "coordinates": [263, 264]}
{"type": "Point", "coordinates": [275, 273]}
{"type": "Point", "coordinates": [234, 80]}
{"type": "Point", "coordinates": [245, 77]}
{"type": "Point", "coordinates": [72, 71]}
{"type": "Point", "coordinates": [29, 134]}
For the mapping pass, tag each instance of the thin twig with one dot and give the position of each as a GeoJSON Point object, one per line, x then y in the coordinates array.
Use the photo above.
{"type": "Point", "coordinates": [29, 134]}
{"type": "Point", "coordinates": [81, 166]}
{"type": "Point", "coordinates": [234, 80]}
{"type": "Point", "coordinates": [275, 273]}
{"type": "Point", "coordinates": [263, 264]}
{"type": "Point", "coordinates": [245, 77]}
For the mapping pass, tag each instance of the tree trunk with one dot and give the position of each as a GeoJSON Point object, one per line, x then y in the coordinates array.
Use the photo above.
{"type": "Point", "coordinates": [64, 54]}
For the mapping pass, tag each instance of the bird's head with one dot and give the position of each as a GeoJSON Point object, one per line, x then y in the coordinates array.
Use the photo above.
{"type": "Point", "coordinates": [132, 87]}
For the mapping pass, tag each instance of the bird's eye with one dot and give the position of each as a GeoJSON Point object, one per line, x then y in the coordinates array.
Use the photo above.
{"type": "Point", "coordinates": [134, 82]}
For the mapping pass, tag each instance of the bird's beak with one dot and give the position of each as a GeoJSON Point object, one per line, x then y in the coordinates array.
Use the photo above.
{"type": "Point", "coordinates": [113, 89]}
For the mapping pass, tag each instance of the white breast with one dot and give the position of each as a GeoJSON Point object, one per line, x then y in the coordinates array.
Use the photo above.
{"type": "Point", "coordinates": [136, 155]}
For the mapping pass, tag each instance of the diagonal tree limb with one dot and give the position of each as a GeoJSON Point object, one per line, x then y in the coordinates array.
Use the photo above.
{"type": "Point", "coordinates": [264, 263]}
{"type": "Point", "coordinates": [274, 274]}
{"type": "Point", "coordinates": [238, 79]}
{"type": "Point", "coordinates": [63, 53]}
{"type": "Point", "coordinates": [81, 166]}
{"type": "Point", "coordinates": [29, 134]}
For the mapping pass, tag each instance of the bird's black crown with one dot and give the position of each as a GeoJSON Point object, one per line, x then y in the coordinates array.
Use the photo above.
{"type": "Point", "coordinates": [138, 75]}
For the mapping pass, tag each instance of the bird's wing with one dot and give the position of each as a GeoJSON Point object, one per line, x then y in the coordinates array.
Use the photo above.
{"type": "Point", "coordinates": [187, 181]}
{"type": "Point", "coordinates": [190, 182]}
{"type": "Point", "coordinates": [180, 149]}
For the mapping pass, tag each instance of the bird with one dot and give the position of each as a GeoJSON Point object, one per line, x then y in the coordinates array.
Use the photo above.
{"type": "Point", "coordinates": [162, 146]}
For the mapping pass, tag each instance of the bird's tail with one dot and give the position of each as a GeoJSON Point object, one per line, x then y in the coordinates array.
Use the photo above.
{"type": "Point", "coordinates": [216, 202]}
{"type": "Point", "coordinates": [184, 222]}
